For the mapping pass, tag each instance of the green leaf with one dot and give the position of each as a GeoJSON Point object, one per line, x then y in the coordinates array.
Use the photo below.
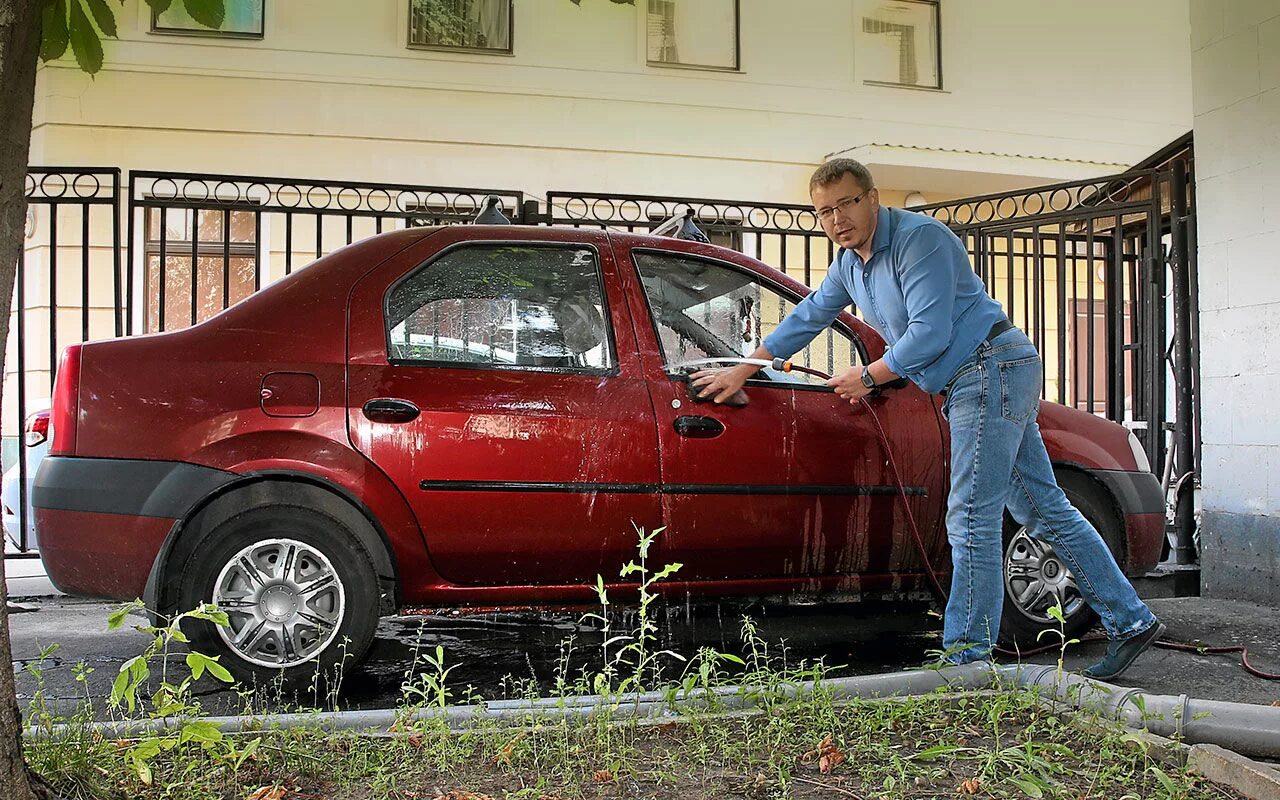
{"type": "Point", "coordinates": [200, 731]}
{"type": "Point", "coordinates": [1166, 782]}
{"type": "Point", "coordinates": [118, 616]}
{"type": "Point", "coordinates": [209, 13]}
{"type": "Point", "coordinates": [159, 6]}
{"type": "Point", "coordinates": [53, 30]}
{"type": "Point", "coordinates": [1029, 787]}
{"type": "Point", "coordinates": [118, 687]}
{"type": "Point", "coordinates": [936, 752]}
{"type": "Point", "coordinates": [196, 662]}
{"type": "Point", "coordinates": [104, 16]}
{"type": "Point", "coordinates": [84, 41]}
{"type": "Point", "coordinates": [144, 773]}
{"type": "Point", "coordinates": [218, 671]}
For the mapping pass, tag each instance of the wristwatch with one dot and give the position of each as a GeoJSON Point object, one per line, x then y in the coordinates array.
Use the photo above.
{"type": "Point", "coordinates": [867, 380]}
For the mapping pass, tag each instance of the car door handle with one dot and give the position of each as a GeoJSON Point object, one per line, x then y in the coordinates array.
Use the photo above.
{"type": "Point", "coordinates": [699, 427]}
{"type": "Point", "coordinates": [390, 409]}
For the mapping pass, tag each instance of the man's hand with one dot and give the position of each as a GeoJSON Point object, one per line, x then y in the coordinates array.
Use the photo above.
{"type": "Point", "coordinates": [848, 385]}
{"type": "Point", "coordinates": [721, 384]}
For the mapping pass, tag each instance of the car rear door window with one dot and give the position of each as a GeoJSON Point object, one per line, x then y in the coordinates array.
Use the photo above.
{"type": "Point", "coordinates": [503, 306]}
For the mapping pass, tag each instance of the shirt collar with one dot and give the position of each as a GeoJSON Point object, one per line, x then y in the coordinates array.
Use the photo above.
{"type": "Point", "coordinates": [883, 236]}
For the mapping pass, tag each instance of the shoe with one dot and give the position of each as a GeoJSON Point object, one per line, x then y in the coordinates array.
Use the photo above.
{"type": "Point", "coordinates": [1122, 652]}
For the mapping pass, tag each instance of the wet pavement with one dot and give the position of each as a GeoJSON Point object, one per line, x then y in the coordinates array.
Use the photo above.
{"type": "Point", "coordinates": [501, 654]}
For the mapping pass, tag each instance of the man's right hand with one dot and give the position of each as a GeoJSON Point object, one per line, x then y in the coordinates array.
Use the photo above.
{"type": "Point", "coordinates": [721, 384]}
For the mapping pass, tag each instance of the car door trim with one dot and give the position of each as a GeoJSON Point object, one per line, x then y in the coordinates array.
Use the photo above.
{"type": "Point", "coordinates": [858, 490]}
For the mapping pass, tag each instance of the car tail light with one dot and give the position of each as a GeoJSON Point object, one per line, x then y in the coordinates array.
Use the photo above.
{"type": "Point", "coordinates": [66, 403]}
{"type": "Point", "coordinates": [36, 430]}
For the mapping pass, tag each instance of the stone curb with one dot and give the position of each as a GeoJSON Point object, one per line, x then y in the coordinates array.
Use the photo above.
{"type": "Point", "coordinates": [1251, 779]}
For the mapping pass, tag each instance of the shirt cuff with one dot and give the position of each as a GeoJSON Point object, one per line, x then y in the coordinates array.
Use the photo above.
{"type": "Point", "coordinates": [892, 363]}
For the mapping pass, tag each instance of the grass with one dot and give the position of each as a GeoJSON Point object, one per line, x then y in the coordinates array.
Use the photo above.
{"type": "Point", "coordinates": [990, 744]}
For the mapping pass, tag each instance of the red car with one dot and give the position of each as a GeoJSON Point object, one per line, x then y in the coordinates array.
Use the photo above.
{"type": "Point", "coordinates": [477, 415]}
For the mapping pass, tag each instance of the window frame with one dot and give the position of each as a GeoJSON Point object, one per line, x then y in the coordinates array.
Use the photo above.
{"type": "Point", "coordinates": [859, 346]}
{"type": "Point", "coordinates": [209, 32]}
{"type": "Point", "coordinates": [510, 49]}
{"type": "Point", "coordinates": [937, 18]}
{"type": "Point", "coordinates": [737, 44]}
{"type": "Point", "coordinates": [606, 312]}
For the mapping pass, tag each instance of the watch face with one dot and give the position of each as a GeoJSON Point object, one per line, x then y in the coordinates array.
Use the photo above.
{"type": "Point", "coordinates": [867, 380]}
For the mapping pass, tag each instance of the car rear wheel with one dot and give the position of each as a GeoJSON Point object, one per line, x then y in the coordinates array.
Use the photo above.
{"type": "Point", "coordinates": [1036, 579]}
{"type": "Point", "coordinates": [300, 594]}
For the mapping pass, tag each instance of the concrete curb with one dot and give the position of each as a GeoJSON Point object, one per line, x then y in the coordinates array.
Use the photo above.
{"type": "Point", "coordinates": [1251, 779]}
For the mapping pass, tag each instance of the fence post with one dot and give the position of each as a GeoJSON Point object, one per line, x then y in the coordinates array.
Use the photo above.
{"type": "Point", "coordinates": [1183, 375]}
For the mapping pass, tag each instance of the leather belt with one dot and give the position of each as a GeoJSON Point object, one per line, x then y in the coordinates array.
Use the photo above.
{"type": "Point", "coordinates": [999, 328]}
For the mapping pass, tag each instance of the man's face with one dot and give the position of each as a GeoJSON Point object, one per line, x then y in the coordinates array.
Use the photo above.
{"type": "Point", "coordinates": [846, 211]}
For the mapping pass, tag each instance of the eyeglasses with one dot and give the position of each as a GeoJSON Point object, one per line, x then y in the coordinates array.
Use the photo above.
{"type": "Point", "coordinates": [844, 207]}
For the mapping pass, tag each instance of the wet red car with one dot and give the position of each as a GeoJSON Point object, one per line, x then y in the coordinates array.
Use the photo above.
{"type": "Point", "coordinates": [478, 415]}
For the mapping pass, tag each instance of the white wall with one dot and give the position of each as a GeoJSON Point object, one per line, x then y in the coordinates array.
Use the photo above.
{"type": "Point", "coordinates": [1032, 92]}
{"type": "Point", "coordinates": [1236, 97]}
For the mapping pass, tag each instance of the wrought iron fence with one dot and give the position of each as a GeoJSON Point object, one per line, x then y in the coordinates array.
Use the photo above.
{"type": "Point", "coordinates": [1085, 267]}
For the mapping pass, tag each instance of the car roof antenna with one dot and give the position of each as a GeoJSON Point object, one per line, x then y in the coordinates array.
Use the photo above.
{"type": "Point", "coordinates": [491, 214]}
{"type": "Point", "coordinates": [682, 226]}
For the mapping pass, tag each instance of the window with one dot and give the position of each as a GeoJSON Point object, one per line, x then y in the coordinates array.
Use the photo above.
{"type": "Point", "coordinates": [482, 26]}
{"type": "Point", "coordinates": [242, 19]}
{"type": "Point", "coordinates": [898, 43]}
{"type": "Point", "coordinates": [225, 265]}
{"type": "Point", "coordinates": [693, 33]}
{"type": "Point", "coordinates": [503, 306]}
{"type": "Point", "coordinates": [704, 310]}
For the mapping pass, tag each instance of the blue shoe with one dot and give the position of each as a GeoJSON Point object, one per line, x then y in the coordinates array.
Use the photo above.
{"type": "Point", "coordinates": [1122, 652]}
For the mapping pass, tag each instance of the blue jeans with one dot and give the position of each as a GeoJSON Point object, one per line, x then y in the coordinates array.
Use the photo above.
{"type": "Point", "coordinates": [998, 460]}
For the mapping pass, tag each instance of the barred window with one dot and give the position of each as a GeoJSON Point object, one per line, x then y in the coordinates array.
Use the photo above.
{"type": "Point", "coordinates": [693, 33]}
{"type": "Point", "coordinates": [898, 43]}
{"type": "Point", "coordinates": [482, 26]}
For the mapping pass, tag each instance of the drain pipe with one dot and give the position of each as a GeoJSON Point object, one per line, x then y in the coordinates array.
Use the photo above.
{"type": "Point", "coordinates": [647, 704]}
{"type": "Point", "coordinates": [1250, 730]}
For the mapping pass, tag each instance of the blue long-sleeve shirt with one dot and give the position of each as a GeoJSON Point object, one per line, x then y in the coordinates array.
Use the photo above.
{"type": "Point", "coordinates": [917, 289]}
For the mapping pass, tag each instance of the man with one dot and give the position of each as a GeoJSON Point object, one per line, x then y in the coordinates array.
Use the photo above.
{"type": "Point", "coordinates": [912, 279]}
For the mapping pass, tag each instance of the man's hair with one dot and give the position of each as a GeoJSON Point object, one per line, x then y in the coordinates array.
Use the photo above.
{"type": "Point", "coordinates": [835, 169]}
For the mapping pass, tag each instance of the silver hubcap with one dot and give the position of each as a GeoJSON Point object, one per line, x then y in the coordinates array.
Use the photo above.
{"type": "Point", "coordinates": [1036, 580]}
{"type": "Point", "coordinates": [284, 601]}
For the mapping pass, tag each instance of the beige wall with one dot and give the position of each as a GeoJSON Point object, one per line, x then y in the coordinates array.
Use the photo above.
{"type": "Point", "coordinates": [332, 91]}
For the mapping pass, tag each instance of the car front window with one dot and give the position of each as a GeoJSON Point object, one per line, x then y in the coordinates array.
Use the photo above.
{"type": "Point", "coordinates": [704, 310]}
{"type": "Point", "coordinates": [503, 306]}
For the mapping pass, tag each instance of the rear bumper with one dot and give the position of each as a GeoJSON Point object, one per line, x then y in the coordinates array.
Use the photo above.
{"type": "Point", "coordinates": [102, 522]}
{"type": "Point", "coordinates": [1142, 507]}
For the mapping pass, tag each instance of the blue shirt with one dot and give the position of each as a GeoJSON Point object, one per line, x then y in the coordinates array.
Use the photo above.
{"type": "Point", "coordinates": [917, 289]}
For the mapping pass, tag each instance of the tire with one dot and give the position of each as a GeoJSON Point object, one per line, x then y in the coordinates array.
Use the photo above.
{"type": "Point", "coordinates": [280, 569]}
{"type": "Point", "coordinates": [1022, 622]}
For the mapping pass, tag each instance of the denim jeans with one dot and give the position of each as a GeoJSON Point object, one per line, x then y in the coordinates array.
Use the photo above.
{"type": "Point", "coordinates": [998, 460]}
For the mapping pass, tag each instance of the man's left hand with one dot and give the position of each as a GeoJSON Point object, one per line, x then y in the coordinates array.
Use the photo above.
{"type": "Point", "coordinates": [848, 385]}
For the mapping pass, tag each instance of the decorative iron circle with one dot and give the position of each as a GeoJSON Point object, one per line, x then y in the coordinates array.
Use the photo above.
{"type": "Point", "coordinates": [227, 192]}
{"type": "Point", "coordinates": [30, 185]}
{"type": "Point", "coordinates": [158, 193]}
{"type": "Point", "coordinates": [1026, 204]}
{"type": "Point", "coordinates": [1060, 200]}
{"type": "Point", "coordinates": [58, 183]}
{"type": "Point", "coordinates": [294, 194]}
{"type": "Point", "coordinates": [609, 210]}
{"type": "Point", "coordinates": [91, 185]}
{"type": "Point", "coordinates": [1007, 211]}
{"type": "Point", "coordinates": [383, 200]}
{"type": "Point", "coordinates": [758, 217]}
{"type": "Point", "coordinates": [630, 211]}
{"type": "Point", "coordinates": [576, 208]}
{"type": "Point", "coordinates": [964, 214]}
{"type": "Point", "coordinates": [470, 206]}
{"type": "Point", "coordinates": [311, 197]}
{"type": "Point", "coordinates": [657, 211]}
{"type": "Point", "coordinates": [985, 211]}
{"type": "Point", "coordinates": [188, 194]}
{"type": "Point", "coordinates": [348, 195]}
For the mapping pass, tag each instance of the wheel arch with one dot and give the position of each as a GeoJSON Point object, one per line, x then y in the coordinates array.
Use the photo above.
{"type": "Point", "coordinates": [262, 486]}
{"type": "Point", "coordinates": [1102, 492]}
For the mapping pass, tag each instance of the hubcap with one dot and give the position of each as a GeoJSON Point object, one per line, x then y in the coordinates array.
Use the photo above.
{"type": "Point", "coordinates": [284, 602]}
{"type": "Point", "coordinates": [1037, 580]}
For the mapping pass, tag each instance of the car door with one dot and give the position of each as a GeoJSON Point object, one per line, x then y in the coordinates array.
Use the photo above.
{"type": "Point", "coordinates": [795, 485]}
{"type": "Point", "coordinates": [496, 382]}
